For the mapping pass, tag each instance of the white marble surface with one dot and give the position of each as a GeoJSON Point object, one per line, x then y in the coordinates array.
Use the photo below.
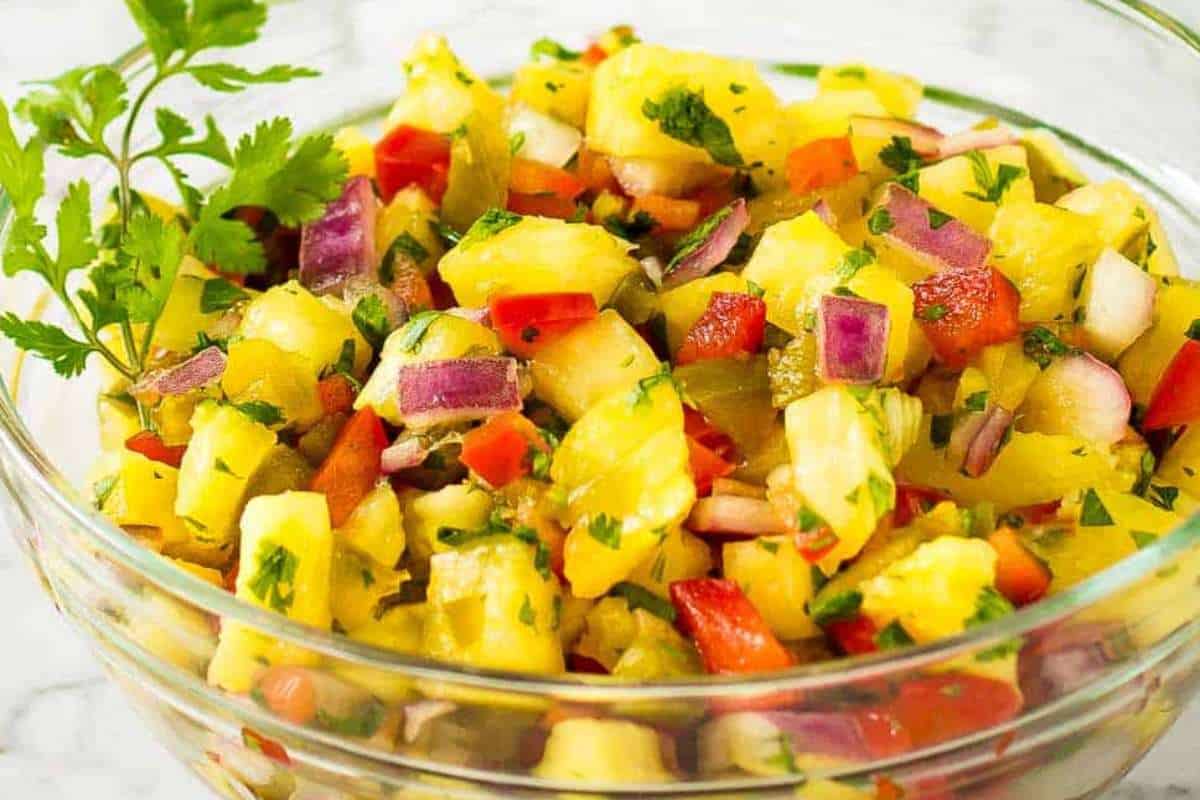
{"type": "Point", "coordinates": [65, 732]}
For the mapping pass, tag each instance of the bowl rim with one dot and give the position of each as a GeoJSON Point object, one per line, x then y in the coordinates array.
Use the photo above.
{"type": "Point", "coordinates": [34, 468]}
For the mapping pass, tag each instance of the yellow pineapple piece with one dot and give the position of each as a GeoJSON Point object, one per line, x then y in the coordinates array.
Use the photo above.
{"type": "Point", "coordinates": [609, 751]}
{"type": "Point", "coordinates": [1175, 307]}
{"type": "Point", "coordinates": [685, 304]}
{"type": "Point", "coordinates": [778, 581]}
{"type": "Point", "coordinates": [946, 185]}
{"type": "Point", "coordinates": [358, 150]}
{"type": "Point", "coordinates": [311, 328]}
{"type": "Point", "coordinates": [559, 89]}
{"type": "Point", "coordinates": [357, 585]}
{"type": "Point", "coordinates": [1180, 466]}
{"type": "Point", "coordinates": [410, 212]}
{"type": "Point", "coordinates": [458, 505]}
{"type": "Point", "coordinates": [679, 556]}
{"type": "Point", "coordinates": [376, 527]}
{"type": "Point", "coordinates": [259, 371]}
{"type": "Point", "coordinates": [898, 94]}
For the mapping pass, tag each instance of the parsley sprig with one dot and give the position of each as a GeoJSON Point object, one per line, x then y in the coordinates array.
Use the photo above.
{"type": "Point", "coordinates": [92, 112]}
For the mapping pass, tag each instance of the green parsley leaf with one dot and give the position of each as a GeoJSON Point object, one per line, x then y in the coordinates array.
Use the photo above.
{"type": "Point", "coordinates": [937, 219]}
{"type": "Point", "coordinates": [1092, 512]}
{"type": "Point", "coordinates": [221, 466]}
{"type": "Point", "coordinates": [941, 426]}
{"type": "Point", "coordinates": [516, 142]}
{"type": "Point", "coordinates": [68, 356]}
{"type": "Point", "coordinates": [1041, 345]}
{"type": "Point", "coordinates": [976, 401]}
{"type": "Point", "coordinates": [493, 221]}
{"type": "Point", "coordinates": [273, 580]}
{"type": "Point", "coordinates": [1193, 331]}
{"type": "Point", "coordinates": [261, 411]}
{"type": "Point", "coordinates": [899, 155]}
{"type": "Point", "coordinates": [768, 545]}
{"type": "Point", "coordinates": [989, 606]}
{"type": "Point", "coordinates": [992, 187]}
{"type": "Point", "coordinates": [403, 246]}
{"type": "Point", "coordinates": [641, 392]}
{"type": "Point", "coordinates": [683, 115]}
{"type": "Point", "coordinates": [224, 23]}
{"type": "Point", "coordinates": [552, 49]}
{"type": "Point", "coordinates": [527, 615]}
{"type": "Point", "coordinates": [632, 229]}
{"type": "Point", "coordinates": [361, 725]}
{"type": "Point", "coordinates": [606, 530]}
{"type": "Point", "coordinates": [177, 139]}
{"type": "Point", "coordinates": [809, 520]}
{"type": "Point", "coordinates": [851, 263]}
{"type": "Point", "coordinates": [371, 318]}
{"type": "Point", "coordinates": [754, 290]}
{"type": "Point", "coordinates": [893, 637]}
{"type": "Point", "coordinates": [539, 463]}
{"type": "Point", "coordinates": [157, 249]}
{"type": "Point", "coordinates": [1000, 651]}
{"type": "Point", "coordinates": [415, 329]}
{"type": "Point", "coordinates": [164, 23]}
{"type": "Point", "coordinates": [1163, 496]}
{"type": "Point", "coordinates": [449, 236]}
{"type": "Point", "coordinates": [880, 222]}
{"type": "Point", "coordinates": [103, 489]}
{"type": "Point", "coordinates": [838, 607]}
{"type": "Point", "coordinates": [785, 759]}
{"type": "Point", "coordinates": [21, 170]}
{"type": "Point", "coordinates": [1143, 539]}
{"type": "Point", "coordinates": [73, 110]}
{"type": "Point", "coordinates": [883, 493]}
{"type": "Point", "coordinates": [737, 88]}
{"type": "Point", "coordinates": [637, 596]}
{"type": "Point", "coordinates": [219, 294]}
{"type": "Point", "coordinates": [697, 236]}
{"type": "Point", "coordinates": [232, 78]}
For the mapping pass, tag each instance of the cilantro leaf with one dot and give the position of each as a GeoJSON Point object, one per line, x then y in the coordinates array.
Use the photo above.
{"type": "Point", "coordinates": [176, 132]}
{"type": "Point", "coordinates": [1092, 512]}
{"type": "Point", "coordinates": [73, 110]}
{"type": "Point", "coordinates": [219, 294]}
{"type": "Point", "coordinates": [893, 637]}
{"type": "Point", "coordinates": [232, 78]}
{"type": "Point", "coordinates": [880, 222]}
{"type": "Point", "coordinates": [989, 606]}
{"type": "Point", "coordinates": [21, 168]}
{"type": "Point", "coordinates": [691, 241]}
{"type": "Point", "coordinates": [405, 245]}
{"type": "Point", "coordinates": [493, 221]}
{"type": "Point", "coordinates": [163, 23]}
{"type": "Point", "coordinates": [548, 47]}
{"type": "Point", "coordinates": [899, 156]}
{"type": "Point", "coordinates": [683, 115]}
{"type": "Point", "coordinates": [415, 330]}
{"type": "Point", "coordinates": [273, 581]}
{"type": "Point", "coordinates": [371, 318]}
{"type": "Point", "coordinates": [606, 530]}
{"type": "Point", "coordinates": [638, 596]}
{"type": "Point", "coordinates": [68, 356]}
{"type": "Point", "coordinates": [76, 247]}
{"type": "Point", "coordinates": [224, 23]}
{"type": "Point", "coordinates": [261, 411]}
{"type": "Point", "coordinates": [992, 187]}
{"type": "Point", "coordinates": [157, 248]}
{"type": "Point", "coordinates": [101, 299]}
{"type": "Point", "coordinates": [1041, 345]}
{"type": "Point", "coordinates": [838, 607]}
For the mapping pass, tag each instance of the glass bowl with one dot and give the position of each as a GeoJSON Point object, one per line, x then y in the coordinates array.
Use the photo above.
{"type": "Point", "coordinates": [1104, 668]}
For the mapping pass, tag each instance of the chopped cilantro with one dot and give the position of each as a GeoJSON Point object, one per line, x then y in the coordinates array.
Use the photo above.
{"type": "Point", "coordinates": [527, 615]}
{"type": "Point", "coordinates": [893, 637]}
{"type": "Point", "coordinates": [809, 520]}
{"type": "Point", "coordinates": [838, 607]}
{"type": "Point", "coordinates": [273, 581]}
{"type": "Point", "coordinates": [261, 411]}
{"type": "Point", "coordinates": [415, 329]}
{"type": "Point", "coordinates": [632, 229]}
{"type": "Point", "coordinates": [539, 463]}
{"type": "Point", "coordinates": [641, 392]}
{"type": "Point", "coordinates": [493, 221]}
{"type": "Point", "coordinates": [403, 245]}
{"type": "Point", "coordinates": [737, 88]}
{"type": "Point", "coordinates": [103, 489]}
{"type": "Point", "coordinates": [880, 222]}
{"type": "Point", "coordinates": [854, 73]}
{"type": "Point", "coordinates": [785, 759]}
{"type": "Point", "coordinates": [371, 318]}
{"type": "Point", "coordinates": [934, 312]}
{"type": "Point", "coordinates": [464, 78]}
{"type": "Point", "coordinates": [516, 142]}
{"type": "Point", "coordinates": [976, 401]}
{"type": "Point", "coordinates": [768, 545]}
{"type": "Point", "coordinates": [1164, 496]}
{"type": "Point", "coordinates": [368, 578]}
{"type": "Point", "coordinates": [883, 494]}
{"type": "Point", "coordinates": [552, 49]}
{"type": "Point", "coordinates": [1193, 331]}
{"type": "Point", "coordinates": [899, 156]}
{"type": "Point", "coordinates": [1092, 512]}
{"type": "Point", "coordinates": [683, 115]}
{"type": "Point", "coordinates": [221, 466]}
{"type": "Point", "coordinates": [1041, 345]}
{"type": "Point", "coordinates": [362, 724]}
{"type": "Point", "coordinates": [754, 290]}
{"type": "Point", "coordinates": [219, 294]}
{"type": "Point", "coordinates": [694, 239]}
{"type": "Point", "coordinates": [1143, 539]}
{"type": "Point", "coordinates": [989, 606]}
{"type": "Point", "coordinates": [448, 235]}
{"type": "Point", "coordinates": [1000, 651]}
{"type": "Point", "coordinates": [937, 219]}
{"type": "Point", "coordinates": [851, 263]}
{"type": "Point", "coordinates": [637, 596]}
{"type": "Point", "coordinates": [606, 530]}
{"type": "Point", "coordinates": [992, 186]}
{"type": "Point", "coordinates": [940, 428]}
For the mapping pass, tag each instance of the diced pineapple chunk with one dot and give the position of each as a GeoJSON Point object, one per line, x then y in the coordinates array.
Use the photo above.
{"type": "Point", "coordinates": [733, 90]}
{"type": "Point", "coordinates": [1180, 466]}
{"type": "Point", "coordinates": [635, 645]}
{"type": "Point", "coordinates": [357, 585]}
{"type": "Point", "coordinates": [410, 212]}
{"type": "Point", "coordinates": [1115, 209]}
{"type": "Point", "coordinates": [685, 304]}
{"type": "Point", "coordinates": [314, 329]}
{"type": "Point", "coordinates": [376, 527]}
{"type": "Point", "coordinates": [946, 185]}
{"type": "Point", "coordinates": [1009, 373]}
{"type": "Point", "coordinates": [899, 94]}
{"type": "Point", "coordinates": [778, 581]}
{"type": "Point", "coordinates": [358, 150]}
{"type": "Point", "coordinates": [490, 607]}
{"type": "Point", "coordinates": [1175, 306]}
{"type": "Point", "coordinates": [538, 255]}
{"type": "Point", "coordinates": [623, 469]}
{"type": "Point", "coordinates": [286, 563]}
{"type": "Point", "coordinates": [789, 257]}
{"type": "Point", "coordinates": [183, 319]}
{"type": "Point", "coordinates": [400, 629]}
{"type": "Point", "coordinates": [133, 490]}
{"type": "Point", "coordinates": [1052, 172]}
{"type": "Point", "coordinates": [591, 361]}
{"type": "Point", "coordinates": [458, 505]}
{"type": "Point", "coordinates": [446, 336]}
{"type": "Point", "coordinates": [605, 750]}
{"type": "Point", "coordinates": [173, 416]}
{"type": "Point", "coordinates": [1031, 468]}
{"type": "Point", "coordinates": [559, 89]}
{"type": "Point", "coordinates": [933, 592]}
{"type": "Point", "coordinates": [258, 370]}
{"type": "Point", "coordinates": [1046, 252]}
{"type": "Point", "coordinates": [118, 421]}
{"type": "Point", "coordinates": [226, 449]}
{"type": "Point", "coordinates": [171, 630]}
{"type": "Point", "coordinates": [681, 555]}
{"type": "Point", "coordinates": [839, 468]}
{"type": "Point", "coordinates": [828, 114]}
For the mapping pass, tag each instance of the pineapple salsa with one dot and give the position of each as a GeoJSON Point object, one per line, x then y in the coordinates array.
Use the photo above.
{"type": "Point", "coordinates": [641, 370]}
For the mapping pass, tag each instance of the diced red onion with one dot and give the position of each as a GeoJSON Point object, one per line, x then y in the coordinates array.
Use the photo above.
{"type": "Point", "coordinates": [825, 211]}
{"type": "Point", "coordinates": [713, 251]}
{"type": "Point", "coordinates": [1119, 306]}
{"type": "Point", "coordinates": [653, 267]}
{"type": "Point", "coordinates": [1065, 658]}
{"type": "Point", "coordinates": [402, 454]}
{"type": "Point", "coordinates": [1079, 395]}
{"type": "Point", "coordinates": [950, 244]}
{"type": "Point", "coordinates": [457, 390]}
{"type": "Point", "coordinates": [966, 427]}
{"type": "Point", "coordinates": [642, 176]}
{"type": "Point", "coordinates": [734, 514]}
{"type": "Point", "coordinates": [852, 338]}
{"type": "Point", "coordinates": [832, 734]}
{"type": "Point", "coordinates": [985, 444]}
{"type": "Point", "coordinates": [201, 370]}
{"type": "Point", "coordinates": [481, 316]}
{"type": "Point", "coordinates": [924, 140]}
{"type": "Point", "coordinates": [967, 141]}
{"type": "Point", "coordinates": [341, 244]}
{"type": "Point", "coordinates": [419, 714]}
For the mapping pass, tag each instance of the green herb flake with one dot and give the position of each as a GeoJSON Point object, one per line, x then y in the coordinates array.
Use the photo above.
{"type": "Point", "coordinates": [737, 88]}
{"type": "Point", "coordinates": [684, 116]}
{"type": "Point", "coordinates": [851, 263]}
{"type": "Point", "coordinates": [641, 393]}
{"type": "Point", "coordinates": [883, 493]}
{"type": "Point", "coordinates": [1143, 539]}
{"type": "Point", "coordinates": [1193, 331]}
{"type": "Point", "coordinates": [368, 578]}
{"type": "Point", "coordinates": [527, 615]}
{"type": "Point", "coordinates": [900, 157]}
{"type": "Point", "coordinates": [516, 142]}
{"type": "Point", "coordinates": [274, 578]}
{"type": "Point", "coordinates": [880, 222]}
{"type": "Point", "coordinates": [853, 73]}
{"type": "Point", "coordinates": [637, 596]}
{"type": "Point", "coordinates": [893, 637]}
{"type": "Point", "coordinates": [937, 219]}
{"type": "Point", "coordinates": [694, 239]}
{"type": "Point", "coordinates": [261, 412]}
{"type": "Point", "coordinates": [464, 78]}
{"type": "Point", "coordinates": [371, 318]}
{"type": "Point", "coordinates": [1163, 496]}
{"type": "Point", "coordinates": [768, 545]}
{"type": "Point", "coordinates": [103, 489]}
{"type": "Point", "coordinates": [405, 245]}
{"type": "Point", "coordinates": [940, 428]}
{"type": "Point", "coordinates": [989, 607]}
{"type": "Point", "coordinates": [221, 466]}
{"type": "Point", "coordinates": [809, 520]}
{"type": "Point", "coordinates": [785, 759]}
{"type": "Point", "coordinates": [413, 332]}
{"type": "Point", "coordinates": [606, 530]}
{"type": "Point", "coordinates": [218, 294]}
{"type": "Point", "coordinates": [1041, 345]}
{"type": "Point", "coordinates": [1092, 513]}
{"type": "Point", "coordinates": [361, 725]}
{"type": "Point", "coordinates": [754, 290]}
{"type": "Point", "coordinates": [492, 222]}
{"type": "Point", "coordinates": [632, 229]}
{"type": "Point", "coordinates": [976, 401]}
{"type": "Point", "coordinates": [992, 186]}
{"type": "Point", "coordinates": [552, 49]}
{"type": "Point", "coordinates": [1001, 651]}
{"type": "Point", "coordinates": [934, 312]}
{"type": "Point", "coordinates": [842, 606]}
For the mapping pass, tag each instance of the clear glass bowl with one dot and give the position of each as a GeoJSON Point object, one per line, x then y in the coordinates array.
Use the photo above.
{"type": "Point", "coordinates": [1105, 667]}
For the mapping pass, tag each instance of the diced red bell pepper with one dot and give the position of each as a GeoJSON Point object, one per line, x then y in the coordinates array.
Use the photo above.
{"type": "Point", "coordinates": [351, 469]}
{"type": "Point", "coordinates": [884, 735]}
{"type": "Point", "coordinates": [732, 325]}
{"type": "Point", "coordinates": [271, 749]}
{"type": "Point", "coordinates": [526, 322]}
{"type": "Point", "coordinates": [854, 636]}
{"type": "Point", "coordinates": [542, 205]}
{"type": "Point", "coordinates": [706, 467]}
{"type": "Point", "coordinates": [963, 311]}
{"type": "Point", "coordinates": [336, 393]}
{"type": "Point", "coordinates": [912, 501]}
{"type": "Point", "coordinates": [1040, 513]}
{"type": "Point", "coordinates": [697, 427]}
{"type": "Point", "coordinates": [409, 156]}
{"type": "Point", "coordinates": [1176, 399]}
{"type": "Point", "coordinates": [943, 707]}
{"type": "Point", "coordinates": [821, 163]}
{"type": "Point", "coordinates": [595, 173]}
{"type": "Point", "coordinates": [671, 213]}
{"type": "Point", "coordinates": [533, 177]}
{"type": "Point", "coordinates": [730, 634]}
{"type": "Point", "coordinates": [594, 54]}
{"type": "Point", "coordinates": [1020, 575]}
{"type": "Point", "coordinates": [500, 450]}
{"type": "Point", "coordinates": [151, 445]}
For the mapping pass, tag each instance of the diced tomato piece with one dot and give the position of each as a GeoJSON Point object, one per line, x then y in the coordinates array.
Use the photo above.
{"type": "Point", "coordinates": [714, 197]}
{"type": "Point", "coordinates": [336, 393]}
{"type": "Point", "coordinates": [963, 311]}
{"type": "Point", "coordinates": [943, 707]}
{"type": "Point", "coordinates": [500, 450]}
{"type": "Point", "coordinates": [151, 445]}
{"type": "Point", "coordinates": [697, 427]}
{"type": "Point", "coordinates": [1040, 513]}
{"type": "Point", "coordinates": [671, 213]}
{"type": "Point", "coordinates": [260, 744]}
{"type": "Point", "coordinates": [732, 325]}
{"type": "Point", "coordinates": [526, 322]}
{"type": "Point", "coordinates": [594, 54]}
{"type": "Point", "coordinates": [853, 636]}
{"type": "Point", "coordinates": [1176, 399]}
{"type": "Point", "coordinates": [594, 172]}
{"type": "Point", "coordinates": [533, 177]}
{"type": "Point", "coordinates": [1020, 575]}
{"type": "Point", "coordinates": [821, 163]}
{"type": "Point", "coordinates": [884, 735]}
{"type": "Point", "coordinates": [731, 635]}
{"type": "Point", "coordinates": [912, 501]}
{"type": "Point", "coordinates": [351, 469]}
{"type": "Point", "coordinates": [289, 693]}
{"type": "Point", "coordinates": [706, 466]}
{"type": "Point", "coordinates": [542, 205]}
{"type": "Point", "coordinates": [409, 156]}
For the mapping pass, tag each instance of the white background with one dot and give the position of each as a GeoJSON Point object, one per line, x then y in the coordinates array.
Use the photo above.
{"type": "Point", "coordinates": [66, 733]}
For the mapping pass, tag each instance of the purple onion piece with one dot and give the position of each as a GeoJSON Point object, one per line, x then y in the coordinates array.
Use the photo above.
{"type": "Point", "coordinates": [402, 454]}
{"type": "Point", "coordinates": [201, 370]}
{"type": "Point", "coordinates": [934, 238]}
{"type": "Point", "coordinates": [734, 514]}
{"type": "Point", "coordinates": [341, 244]}
{"type": "Point", "coordinates": [822, 733]}
{"type": "Point", "coordinates": [852, 337]}
{"type": "Point", "coordinates": [1066, 657]}
{"type": "Point", "coordinates": [457, 390]}
{"type": "Point", "coordinates": [707, 247]}
{"type": "Point", "coordinates": [986, 443]}
{"type": "Point", "coordinates": [823, 210]}
{"type": "Point", "coordinates": [967, 141]}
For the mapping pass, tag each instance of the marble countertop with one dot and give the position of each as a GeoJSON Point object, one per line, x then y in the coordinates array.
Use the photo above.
{"type": "Point", "coordinates": [65, 731]}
